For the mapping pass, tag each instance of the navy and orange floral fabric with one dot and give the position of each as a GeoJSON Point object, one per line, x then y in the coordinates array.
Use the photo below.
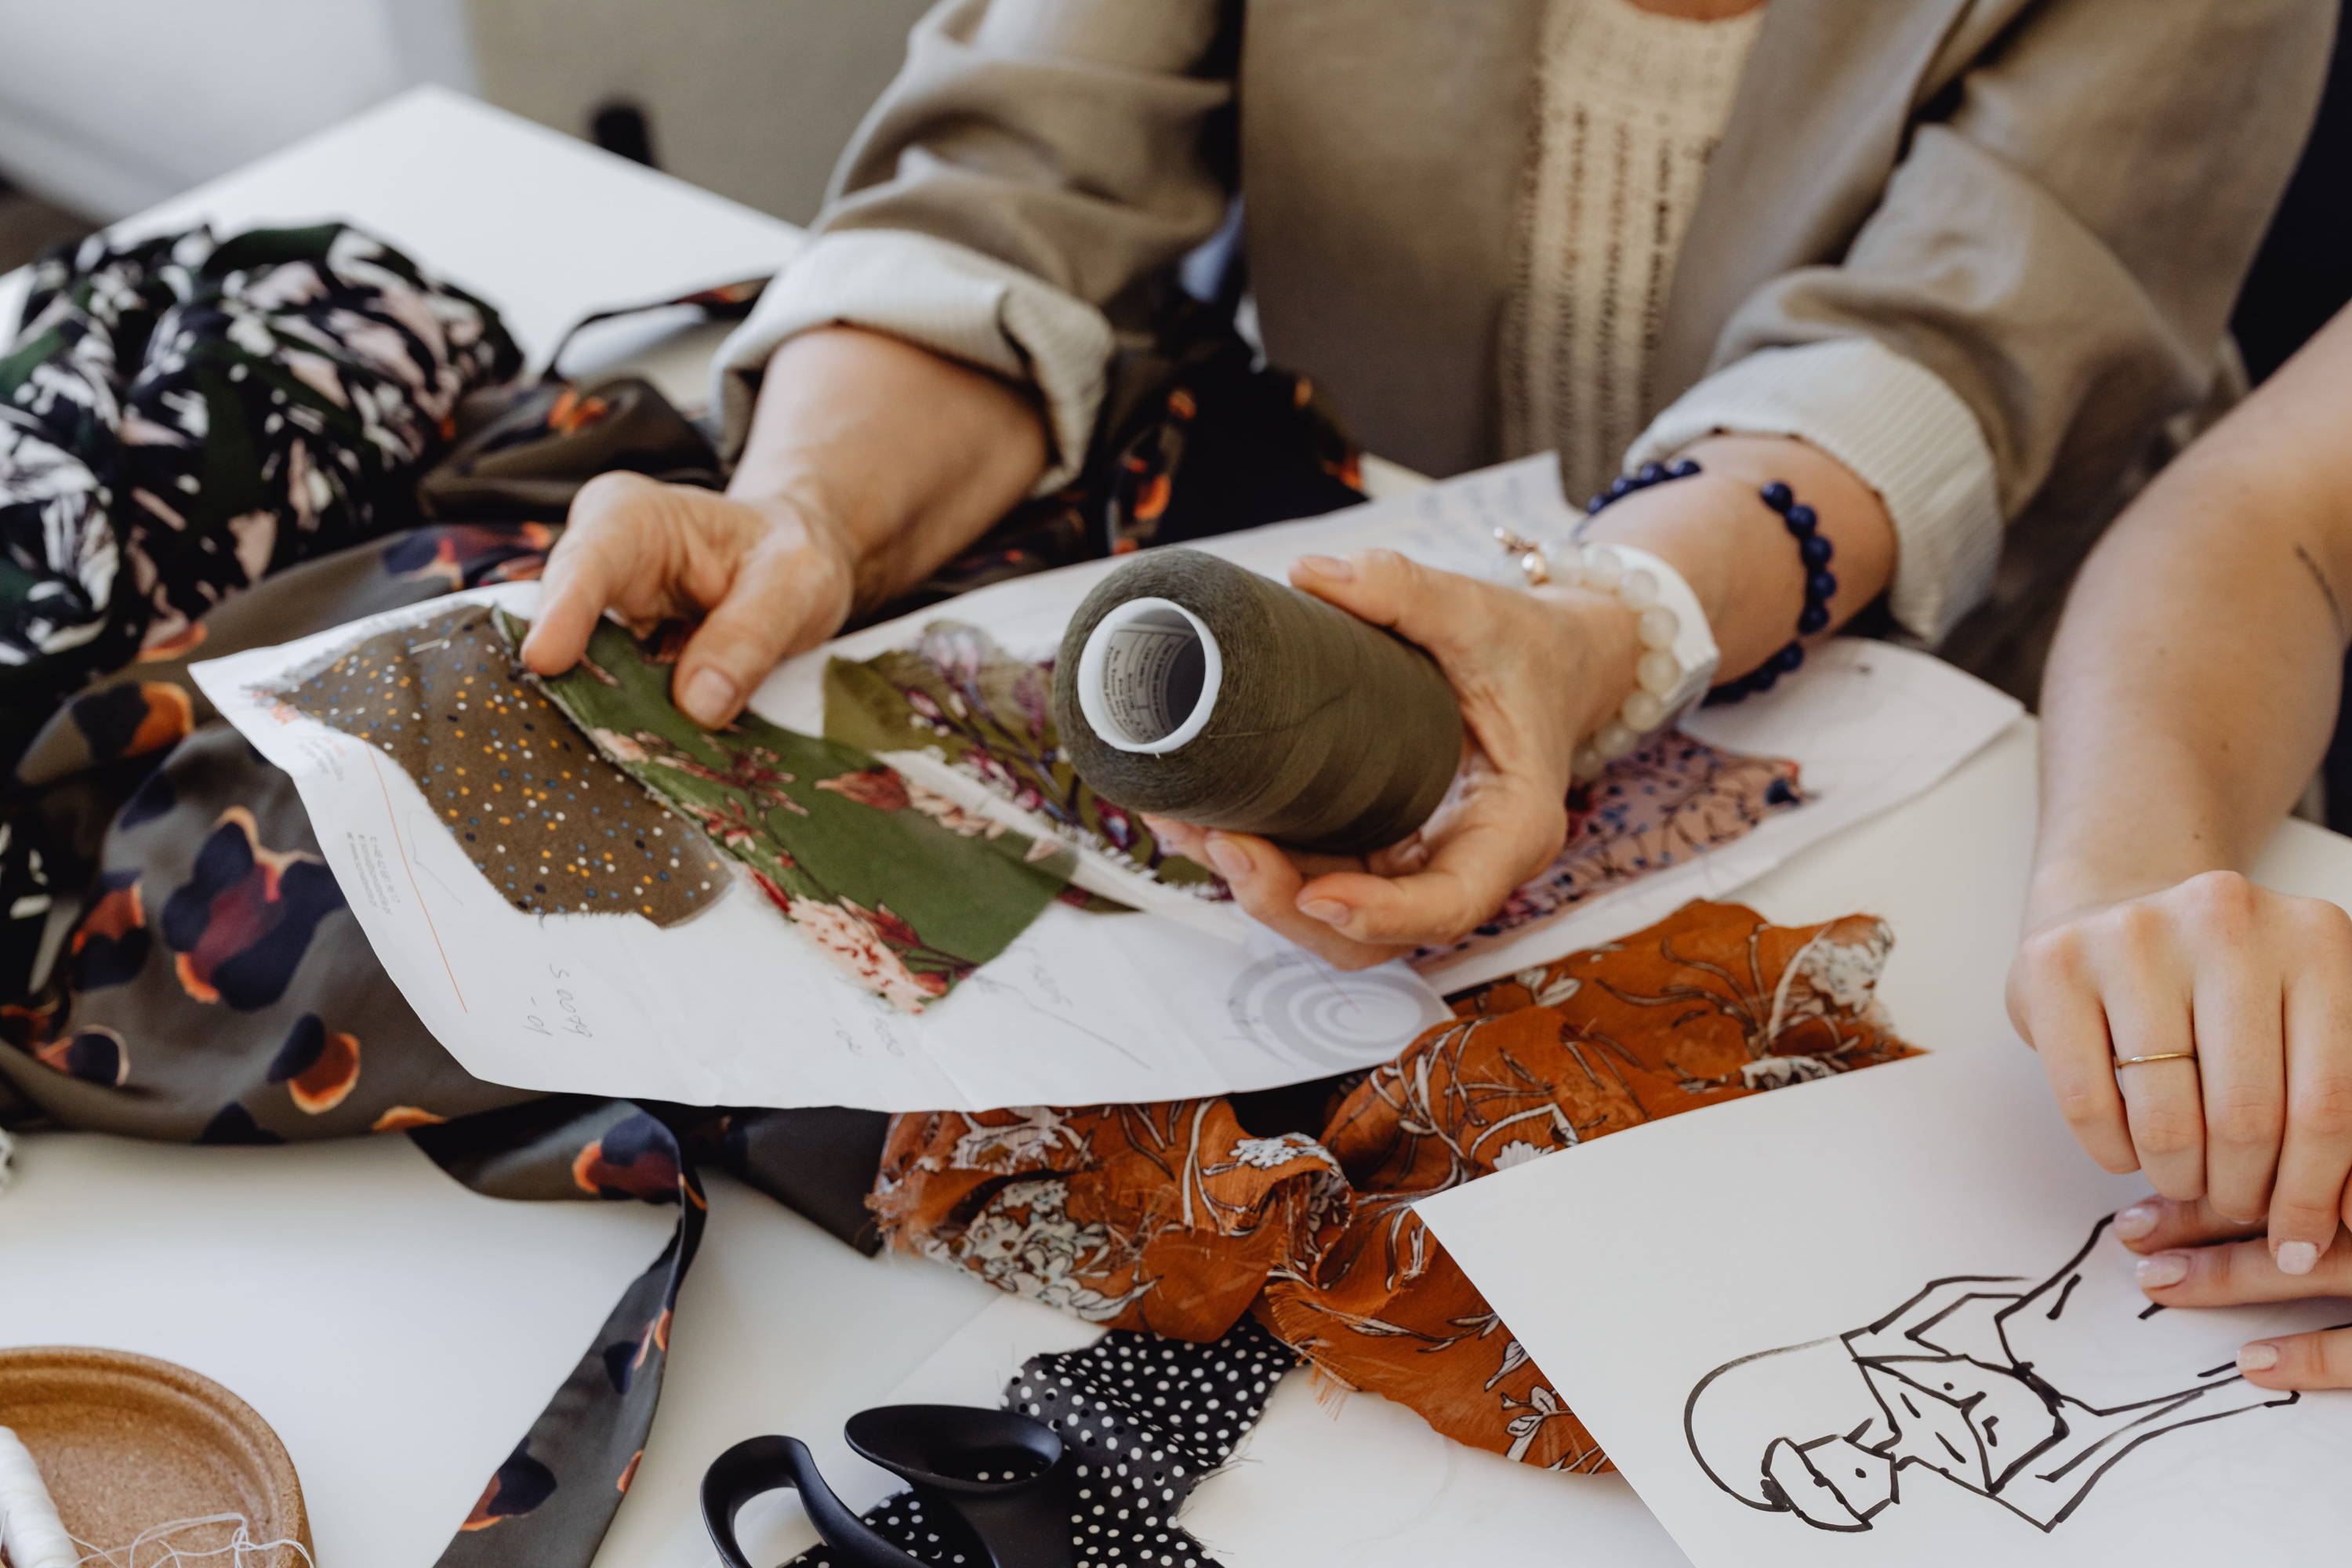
{"type": "Point", "coordinates": [1182, 1217]}
{"type": "Point", "coordinates": [212, 987]}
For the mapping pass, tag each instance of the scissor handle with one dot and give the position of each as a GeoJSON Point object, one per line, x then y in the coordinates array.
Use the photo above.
{"type": "Point", "coordinates": [758, 1465]}
{"type": "Point", "coordinates": [1006, 1476]}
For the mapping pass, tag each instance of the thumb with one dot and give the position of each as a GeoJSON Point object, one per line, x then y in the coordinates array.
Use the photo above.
{"type": "Point", "coordinates": [788, 594]}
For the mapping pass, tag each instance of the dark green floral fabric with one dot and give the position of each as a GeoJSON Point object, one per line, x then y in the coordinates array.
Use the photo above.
{"type": "Point", "coordinates": [990, 716]}
{"type": "Point", "coordinates": [903, 891]}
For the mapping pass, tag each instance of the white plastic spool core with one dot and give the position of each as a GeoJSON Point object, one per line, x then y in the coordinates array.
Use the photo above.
{"type": "Point", "coordinates": [1148, 676]}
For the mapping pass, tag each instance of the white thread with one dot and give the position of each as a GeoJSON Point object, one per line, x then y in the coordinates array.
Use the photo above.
{"type": "Point", "coordinates": [241, 1544]}
{"type": "Point", "coordinates": [30, 1532]}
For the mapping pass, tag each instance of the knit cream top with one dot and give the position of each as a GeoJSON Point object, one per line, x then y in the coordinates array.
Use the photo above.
{"type": "Point", "coordinates": [1629, 108]}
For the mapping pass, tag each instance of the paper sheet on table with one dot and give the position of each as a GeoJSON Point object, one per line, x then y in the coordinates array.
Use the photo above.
{"type": "Point", "coordinates": [1869, 724]}
{"type": "Point", "coordinates": [1648, 1272]}
{"type": "Point", "coordinates": [1325, 1477]}
{"type": "Point", "coordinates": [733, 1007]}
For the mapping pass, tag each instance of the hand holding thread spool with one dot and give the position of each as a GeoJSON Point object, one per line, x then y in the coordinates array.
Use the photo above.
{"type": "Point", "coordinates": [1194, 689]}
{"type": "Point", "coordinates": [1532, 672]}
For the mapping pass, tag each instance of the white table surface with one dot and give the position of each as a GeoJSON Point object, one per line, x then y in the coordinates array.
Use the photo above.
{"type": "Point", "coordinates": [400, 1331]}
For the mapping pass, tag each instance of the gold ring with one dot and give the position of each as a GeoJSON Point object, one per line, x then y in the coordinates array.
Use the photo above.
{"type": "Point", "coordinates": [2159, 1057]}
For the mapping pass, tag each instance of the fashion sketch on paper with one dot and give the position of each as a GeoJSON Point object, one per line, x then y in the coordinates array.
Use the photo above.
{"type": "Point", "coordinates": [2023, 1394]}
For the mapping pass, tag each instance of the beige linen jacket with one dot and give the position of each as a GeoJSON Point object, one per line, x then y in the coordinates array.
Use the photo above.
{"type": "Point", "coordinates": [2049, 204]}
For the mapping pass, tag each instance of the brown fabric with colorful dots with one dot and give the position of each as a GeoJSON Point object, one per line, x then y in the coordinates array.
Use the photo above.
{"type": "Point", "coordinates": [555, 827]}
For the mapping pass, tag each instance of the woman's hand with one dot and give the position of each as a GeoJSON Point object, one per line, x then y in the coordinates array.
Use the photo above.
{"type": "Point", "coordinates": [1535, 670]}
{"type": "Point", "coordinates": [870, 462]}
{"type": "Point", "coordinates": [2191, 1257]}
{"type": "Point", "coordinates": [2258, 984]}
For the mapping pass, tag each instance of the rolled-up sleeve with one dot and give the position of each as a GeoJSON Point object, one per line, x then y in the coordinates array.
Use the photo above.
{"type": "Point", "coordinates": [940, 296]}
{"type": "Point", "coordinates": [1015, 194]}
{"type": "Point", "coordinates": [2055, 257]}
{"type": "Point", "coordinates": [1901, 432]}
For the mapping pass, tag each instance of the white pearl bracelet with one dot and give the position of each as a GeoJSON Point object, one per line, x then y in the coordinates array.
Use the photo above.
{"type": "Point", "coordinates": [1678, 655]}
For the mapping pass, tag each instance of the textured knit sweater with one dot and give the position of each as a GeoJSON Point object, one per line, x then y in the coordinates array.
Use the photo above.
{"type": "Point", "coordinates": [1629, 107]}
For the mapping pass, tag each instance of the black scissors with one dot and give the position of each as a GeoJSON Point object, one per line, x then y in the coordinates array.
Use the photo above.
{"type": "Point", "coordinates": [1007, 1477]}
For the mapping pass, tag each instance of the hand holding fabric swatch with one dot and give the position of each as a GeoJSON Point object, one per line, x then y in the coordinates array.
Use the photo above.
{"type": "Point", "coordinates": [905, 892]}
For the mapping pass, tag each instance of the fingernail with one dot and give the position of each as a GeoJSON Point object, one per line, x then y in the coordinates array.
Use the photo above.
{"type": "Point", "coordinates": [2297, 1258]}
{"type": "Point", "coordinates": [2137, 1221]}
{"type": "Point", "coordinates": [1329, 566]}
{"type": "Point", "coordinates": [2258, 1357]}
{"type": "Point", "coordinates": [1331, 912]}
{"type": "Point", "coordinates": [2164, 1269]}
{"type": "Point", "coordinates": [1232, 863]}
{"type": "Point", "coordinates": [708, 696]}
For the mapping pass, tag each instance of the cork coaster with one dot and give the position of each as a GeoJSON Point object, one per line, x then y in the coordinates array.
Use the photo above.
{"type": "Point", "coordinates": [126, 1442]}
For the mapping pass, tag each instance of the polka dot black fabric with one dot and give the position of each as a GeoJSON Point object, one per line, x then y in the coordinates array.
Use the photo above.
{"type": "Point", "coordinates": [1144, 1419]}
{"type": "Point", "coordinates": [555, 827]}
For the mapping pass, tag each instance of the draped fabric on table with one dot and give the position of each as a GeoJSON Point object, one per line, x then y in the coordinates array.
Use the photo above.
{"type": "Point", "coordinates": [206, 447]}
{"type": "Point", "coordinates": [1182, 1217]}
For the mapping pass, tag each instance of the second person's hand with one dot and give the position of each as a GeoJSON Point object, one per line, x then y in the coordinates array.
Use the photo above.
{"type": "Point", "coordinates": [870, 462]}
{"type": "Point", "coordinates": [2246, 994]}
{"type": "Point", "coordinates": [2192, 1256]}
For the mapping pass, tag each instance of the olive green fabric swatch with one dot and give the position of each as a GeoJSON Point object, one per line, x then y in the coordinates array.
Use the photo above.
{"type": "Point", "coordinates": [990, 715]}
{"type": "Point", "coordinates": [555, 828]}
{"type": "Point", "coordinates": [906, 892]}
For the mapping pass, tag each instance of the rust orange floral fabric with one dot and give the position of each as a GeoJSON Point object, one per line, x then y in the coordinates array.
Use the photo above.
{"type": "Point", "coordinates": [1180, 1218]}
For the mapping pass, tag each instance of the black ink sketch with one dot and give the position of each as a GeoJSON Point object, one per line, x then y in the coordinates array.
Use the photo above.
{"type": "Point", "coordinates": [2016, 1394]}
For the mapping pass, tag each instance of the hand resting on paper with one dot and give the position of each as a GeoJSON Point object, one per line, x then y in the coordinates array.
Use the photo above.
{"type": "Point", "coordinates": [2192, 1256]}
{"type": "Point", "coordinates": [870, 462]}
{"type": "Point", "coordinates": [2258, 984]}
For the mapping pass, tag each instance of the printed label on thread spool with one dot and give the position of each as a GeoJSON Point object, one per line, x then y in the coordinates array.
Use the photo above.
{"type": "Point", "coordinates": [1148, 676]}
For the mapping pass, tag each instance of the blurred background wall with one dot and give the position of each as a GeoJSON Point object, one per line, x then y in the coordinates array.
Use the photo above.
{"type": "Point", "coordinates": [107, 106]}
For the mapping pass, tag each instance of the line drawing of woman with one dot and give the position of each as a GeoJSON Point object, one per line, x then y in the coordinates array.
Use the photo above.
{"type": "Point", "coordinates": [2024, 1395]}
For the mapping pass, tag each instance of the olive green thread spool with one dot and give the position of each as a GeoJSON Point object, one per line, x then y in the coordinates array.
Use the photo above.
{"type": "Point", "coordinates": [1194, 689]}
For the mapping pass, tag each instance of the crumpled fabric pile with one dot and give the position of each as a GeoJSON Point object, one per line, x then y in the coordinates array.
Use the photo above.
{"type": "Point", "coordinates": [180, 416]}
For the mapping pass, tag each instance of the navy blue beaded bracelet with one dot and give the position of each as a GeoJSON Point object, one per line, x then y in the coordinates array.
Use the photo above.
{"type": "Point", "coordinates": [1813, 547]}
{"type": "Point", "coordinates": [1641, 478]}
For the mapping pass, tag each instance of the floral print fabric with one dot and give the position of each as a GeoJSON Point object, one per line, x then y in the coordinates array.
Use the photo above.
{"type": "Point", "coordinates": [213, 988]}
{"type": "Point", "coordinates": [1665, 803]}
{"type": "Point", "coordinates": [1180, 1218]}
{"type": "Point", "coordinates": [990, 716]}
{"type": "Point", "coordinates": [903, 891]}
{"type": "Point", "coordinates": [182, 416]}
